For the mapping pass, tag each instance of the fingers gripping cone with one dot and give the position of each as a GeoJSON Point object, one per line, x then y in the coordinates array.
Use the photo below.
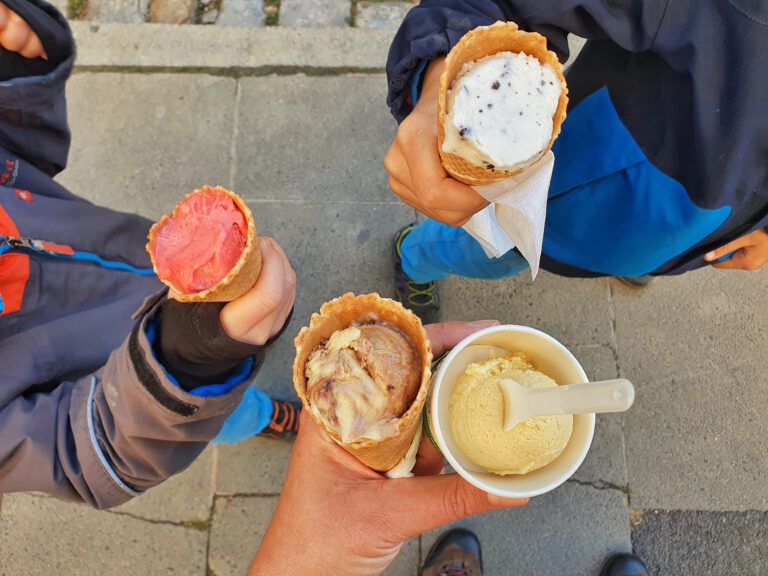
{"type": "Point", "coordinates": [341, 313]}
{"type": "Point", "coordinates": [240, 278]}
{"type": "Point", "coordinates": [474, 45]}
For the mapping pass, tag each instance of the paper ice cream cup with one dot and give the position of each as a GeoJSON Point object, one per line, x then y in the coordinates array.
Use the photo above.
{"type": "Point", "coordinates": [548, 356]}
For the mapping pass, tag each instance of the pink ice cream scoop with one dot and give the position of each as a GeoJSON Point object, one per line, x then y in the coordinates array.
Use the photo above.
{"type": "Point", "coordinates": [201, 244]}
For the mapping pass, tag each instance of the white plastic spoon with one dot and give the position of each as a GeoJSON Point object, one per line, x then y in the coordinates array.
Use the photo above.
{"type": "Point", "coordinates": [521, 403]}
{"type": "Point", "coordinates": [524, 403]}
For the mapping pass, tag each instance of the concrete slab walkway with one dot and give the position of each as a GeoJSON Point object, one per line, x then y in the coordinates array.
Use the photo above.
{"type": "Point", "coordinates": [681, 478]}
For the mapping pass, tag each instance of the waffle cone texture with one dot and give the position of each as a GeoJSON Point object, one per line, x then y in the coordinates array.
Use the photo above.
{"type": "Point", "coordinates": [340, 313]}
{"type": "Point", "coordinates": [474, 45]}
{"type": "Point", "coordinates": [243, 274]}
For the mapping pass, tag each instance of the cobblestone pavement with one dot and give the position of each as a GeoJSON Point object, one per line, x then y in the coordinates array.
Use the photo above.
{"type": "Point", "coordinates": [681, 477]}
{"type": "Point", "coordinates": [370, 14]}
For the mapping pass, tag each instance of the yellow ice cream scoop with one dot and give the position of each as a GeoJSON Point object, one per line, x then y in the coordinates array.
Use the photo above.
{"type": "Point", "coordinates": [509, 418]}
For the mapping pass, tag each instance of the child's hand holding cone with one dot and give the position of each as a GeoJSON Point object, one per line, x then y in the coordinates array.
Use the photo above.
{"type": "Point", "coordinates": [208, 250]}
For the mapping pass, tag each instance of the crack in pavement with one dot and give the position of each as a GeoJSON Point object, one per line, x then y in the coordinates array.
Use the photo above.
{"type": "Point", "coordinates": [602, 485]}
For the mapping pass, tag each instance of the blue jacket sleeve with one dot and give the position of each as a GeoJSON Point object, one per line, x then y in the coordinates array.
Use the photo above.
{"type": "Point", "coordinates": [33, 109]}
{"type": "Point", "coordinates": [435, 26]}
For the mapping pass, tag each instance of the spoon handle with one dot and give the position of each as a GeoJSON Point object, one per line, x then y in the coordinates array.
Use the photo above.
{"type": "Point", "coordinates": [588, 398]}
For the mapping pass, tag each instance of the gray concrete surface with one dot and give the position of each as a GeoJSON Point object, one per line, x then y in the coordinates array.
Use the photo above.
{"type": "Point", "coordinates": [43, 536]}
{"type": "Point", "coordinates": [255, 51]}
{"type": "Point", "coordinates": [241, 13]}
{"type": "Point", "coordinates": [691, 542]}
{"type": "Point", "coordinates": [307, 153]}
{"type": "Point", "coordinates": [568, 532]}
{"type": "Point", "coordinates": [315, 13]}
{"type": "Point", "coordinates": [381, 15]}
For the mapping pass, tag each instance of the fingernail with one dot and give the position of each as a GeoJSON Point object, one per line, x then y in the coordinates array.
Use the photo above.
{"type": "Point", "coordinates": [709, 256]}
{"type": "Point", "coordinates": [483, 323]}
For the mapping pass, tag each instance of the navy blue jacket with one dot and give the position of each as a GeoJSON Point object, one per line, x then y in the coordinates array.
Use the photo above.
{"type": "Point", "coordinates": [664, 154]}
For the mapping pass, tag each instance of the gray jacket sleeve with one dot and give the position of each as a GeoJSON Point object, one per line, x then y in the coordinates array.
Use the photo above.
{"type": "Point", "coordinates": [109, 435]}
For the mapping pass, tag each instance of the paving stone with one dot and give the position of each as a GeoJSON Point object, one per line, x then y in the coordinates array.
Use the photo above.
{"type": "Point", "coordinates": [695, 441]}
{"type": "Point", "coordinates": [172, 11]}
{"type": "Point", "coordinates": [239, 524]}
{"type": "Point", "coordinates": [141, 142]}
{"type": "Point", "coordinates": [256, 466]}
{"type": "Point", "coordinates": [61, 5]}
{"type": "Point", "coordinates": [334, 248]}
{"type": "Point", "coordinates": [381, 15]}
{"type": "Point", "coordinates": [711, 543]}
{"type": "Point", "coordinates": [408, 562]}
{"type": "Point", "coordinates": [241, 13]}
{"type": "Point", "coordinates": [575, 46]}
{"type": "Point", "coordinates": [186, 497]}
{"type": "Point", "coordinates": [695, 348]}
{"type": "Point", "coordinates": [573, 310]}
{"type": "Point", "coordinates": [683, 325]}
{"type": "Point", "coordinates": [314, 13]}
{"type": "Point", "coordinates": [605, 463]}
{"type": "Point", "coordinates": [314, 138]}
{"type": "Point", "coordinates": [234, 51]}
{"type": "Point", "coordinates": [123, 11]}
{"type": "Point", "coordinates": [44, 536]}
{"type": "Point", "coordinates": [568, 532]}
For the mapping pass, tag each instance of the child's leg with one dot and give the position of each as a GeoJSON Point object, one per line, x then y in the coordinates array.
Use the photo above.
{"type": "Point", "coordinates": [432, 251]}
{"type": "Point", "coordinates": [252, 416]}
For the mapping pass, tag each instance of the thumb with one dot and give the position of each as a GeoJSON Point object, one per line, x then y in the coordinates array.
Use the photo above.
{"type": "Point", "coordinates": [427, 502]}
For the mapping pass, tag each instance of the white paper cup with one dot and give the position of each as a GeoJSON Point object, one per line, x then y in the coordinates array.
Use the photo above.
{"type": "Point", "coordinates": [549, 357]}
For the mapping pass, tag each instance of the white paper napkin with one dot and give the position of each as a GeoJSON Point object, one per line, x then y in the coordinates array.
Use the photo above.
{"type": "Point", "coordinates": [403, 469]}
{"type": "Point", "coordinates": [516, 214]}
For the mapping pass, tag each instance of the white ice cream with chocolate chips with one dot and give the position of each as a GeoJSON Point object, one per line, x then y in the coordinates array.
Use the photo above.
{"type": "Point", "coordinates": [500, 111]}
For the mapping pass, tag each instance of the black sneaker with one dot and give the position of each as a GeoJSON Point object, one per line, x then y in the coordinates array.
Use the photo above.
{"type": "Point", "coordinates": [637, 281]}
{"type": "Point", "coordinates": [422, 299]}
{"type": "Point", "coordinates": [624, 565]}
{"type": "Point", "coordinates": [285, 419]}
{"type": "Point", "coordinates": [456, 553]}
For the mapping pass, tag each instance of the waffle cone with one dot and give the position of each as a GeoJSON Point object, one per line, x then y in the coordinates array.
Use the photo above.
{"type": "Point", "coordinates": [244, 273]}
{"type": "Point", "coordinates": [474, 45]}
{"type": "Point", "coordinates": [340, 313]}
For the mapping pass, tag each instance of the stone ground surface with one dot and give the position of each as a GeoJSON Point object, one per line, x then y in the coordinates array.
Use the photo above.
{"type": "Point", "coordinates": [680, 478]}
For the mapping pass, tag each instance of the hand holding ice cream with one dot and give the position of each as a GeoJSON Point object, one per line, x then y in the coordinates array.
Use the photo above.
{"type": "Point", "coordinates": [208, 250]}
{"type": "Point", "coordinates": [324, 484]}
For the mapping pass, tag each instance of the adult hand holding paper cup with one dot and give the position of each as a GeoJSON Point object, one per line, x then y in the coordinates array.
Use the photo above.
{"type": "Point", "coordinates": [467, 410]}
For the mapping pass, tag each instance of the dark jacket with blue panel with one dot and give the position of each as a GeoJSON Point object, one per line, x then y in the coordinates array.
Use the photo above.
{"type": "Point", "coordinates": [664, 154]}
{"type": "Point", "coordinates": [87, 412]}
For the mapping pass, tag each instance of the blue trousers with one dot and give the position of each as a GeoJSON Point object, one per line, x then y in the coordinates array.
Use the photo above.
{"type": "Point", "coordinates": [432, 251]}
{"type": "Point", "coordinates": [251, 417]}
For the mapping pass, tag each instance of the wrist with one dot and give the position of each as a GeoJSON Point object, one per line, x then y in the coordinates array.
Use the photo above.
{"type": "Point", "coordinates": [431, 84]}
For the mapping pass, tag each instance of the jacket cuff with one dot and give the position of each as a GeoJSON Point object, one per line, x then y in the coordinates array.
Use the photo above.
{"type": "Point", "coordinates": [165, 389]}
{"type": "Point", "coordinates": [428, 31]}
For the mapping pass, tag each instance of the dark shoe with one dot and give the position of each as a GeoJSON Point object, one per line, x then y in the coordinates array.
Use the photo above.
{"type": "Point", "coordinates": [285, 419]}
{"type": "Point", "coordinates": [637, 281]}
{"type": "Point", "coordinates": [456, 553]}
{"type": "Point", "coordinates": [422, 299]}
{"type": "Point", "coordinates": [624, 565]}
